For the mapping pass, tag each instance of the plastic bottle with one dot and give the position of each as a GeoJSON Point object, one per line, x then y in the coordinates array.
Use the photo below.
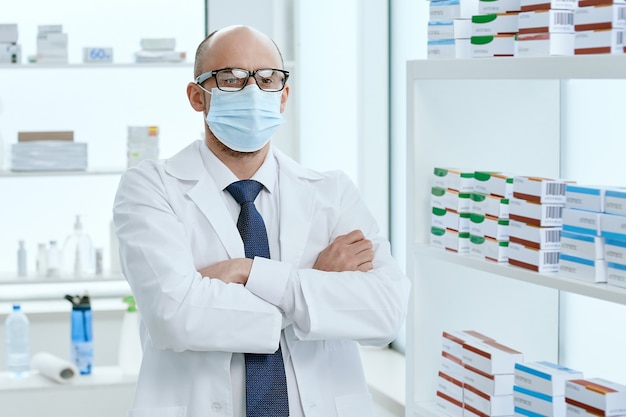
{"type": "Point", "coordinates": [78, 253]}
{"type": "Point", "coordinates": [22, 265]}
{"type": "Point", "coordinates": [82, 333]}
{"type": "Point", "coordinates": [42, 260]}
{"type": "Point", "coordinates": [53, 260]}
{"type": "Point", "coordinates": [130, 352]}
{"type": "Point", "coordinates": [17, 343]}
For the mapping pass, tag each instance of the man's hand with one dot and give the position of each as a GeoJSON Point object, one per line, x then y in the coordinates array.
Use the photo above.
{"type": "Point", "coordinates": [349, 252]}
{"type": "Point", "coordinates": [230, 271]}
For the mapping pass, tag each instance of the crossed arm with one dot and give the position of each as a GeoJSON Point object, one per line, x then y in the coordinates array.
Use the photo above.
{"type": "Point", "coordinates": [349, 252]}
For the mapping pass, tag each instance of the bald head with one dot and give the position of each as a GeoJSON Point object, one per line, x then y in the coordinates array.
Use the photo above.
{"type": "Point", "coordinates": [237, 47]}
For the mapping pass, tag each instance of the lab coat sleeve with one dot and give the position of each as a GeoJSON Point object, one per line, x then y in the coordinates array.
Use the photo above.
{"type": "Point", "coordinates": [181, 309]}
{"type": "Point", "coordinates": [369, 307]}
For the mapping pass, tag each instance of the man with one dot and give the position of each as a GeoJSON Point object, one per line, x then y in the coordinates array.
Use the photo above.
{"type": "Point", "coordinates": [210, 300]}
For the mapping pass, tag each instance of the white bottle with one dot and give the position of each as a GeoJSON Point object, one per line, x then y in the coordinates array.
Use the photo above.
{"type": "Point", "coordinates": [17, 343]}
{"type": "Point", "coordinates": [54, 260]}
{"type": "Point", "coordinates": [42, 260]}
{"type": "Point", "coordinates": [130, 352]}
{"type": "Point", "coordinates": [22, 269]}
{"type": "Point", "coordinates": [78, 253]}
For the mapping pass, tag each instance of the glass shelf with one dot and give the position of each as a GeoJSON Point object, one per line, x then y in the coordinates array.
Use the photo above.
{"type": "Point", "coordinates": [95, 171]}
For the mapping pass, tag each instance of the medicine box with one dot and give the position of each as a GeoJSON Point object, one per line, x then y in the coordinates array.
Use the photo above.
{"type": "Point", "coordinates": [448, 48]}
{"type": "Point", "coordinates": [450, 219]}
{"type": "Point", "coordinates": [616, 274]}
{"type": "Point", "coordinates": [535, 213]}
{"type": "Point", "coordinates": [452, 9]}
{"type": "Point", "coordinates": [456, 179]}
{"type": "Point", "coordinates": [538, 403]}
{"type": "Point", "coordinates": [538, 260]}
{"type": "Point", "coordinates": [450, 386]}
{"type": "Point", "coordinates": [588, 270]}
{"type": "Point", "coordinates": [604, 41]}
{"type": "Point", "coordinates": [484, 404]}
{"type": "Point", "coordinates": [578, 410]}
{"type": "Point", "coordinates": [608, 396]}
{"type": "Point", "coordinates": [8, 33]}
{"type": "Point", "coordinates": [451, 240]}
{"type": "Point", "coordinates": [613, 226]}
{"type": "Point", "coordinates": [544, 377]}
{"type": "Point", "coordinates": [489, 249]}
{"type": "Point", "coordinates": [544, 44]}
{"type": "Point", "coordinates": [449, 405]}
{"type": "Point", "coordinates": [529, 5]}
{"type": "Point", "coordinates": [493, 385]}
{"type": "Point", "coordinates": [449, 29]}
{"type": "Point", "coordinates": [585, 197]}
{"type": "Point", "coordinates": [450, 199]}
{"type": "Point", "coordinates": [498, 6]}
{"type": "Point", "coordinates": [582, 221]}
{"type": "Point", "coordinates": [615, 251]}
{"type": "Point", "coordinates": [546, 21]}
{"type": "Point", "coordinates": [534, 236]}
{"type": "Point", "coordinates": [495, 24]}
{"type": "Point", "coordinates": [451, 365]}
{"type": "Point", "coordinates": [487, 226]}
{"type": "Point", "coordinates": [10, 53]}
{"type": "Point", "coordinates": [539, 190]}
{"type": "Point", "coordinates": [492, 46]}
{"type": "Point", "coordinates": [491, 357]}
{"type": "Point", "coordinates": [615, 201]}
{"type": "Point", "coordinates": [582, 245]}
{"type": "Point", "coordinates": [489, 205]}
{"type": "Point", "coordinates": [600, 16]}
{"type": "Point", "coordinates": [452, 341]}
{"type": "Point", "coordinates": [495, 183]}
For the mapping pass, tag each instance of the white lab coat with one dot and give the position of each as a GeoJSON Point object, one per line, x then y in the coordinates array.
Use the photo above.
{"type": "Point", "coordinates": [171, 221]}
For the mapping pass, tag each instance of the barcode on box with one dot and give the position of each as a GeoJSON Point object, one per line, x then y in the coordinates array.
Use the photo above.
{"type": "Point", "coordinates": [551, 258]}
{"type": "Point", "coordinates": [563, 18]}
{"type": "Point", "coordinates": [555, 189]}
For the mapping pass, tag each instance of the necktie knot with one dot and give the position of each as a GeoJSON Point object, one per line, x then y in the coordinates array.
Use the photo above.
{"type": "Point", "coordinates": [244, 191]}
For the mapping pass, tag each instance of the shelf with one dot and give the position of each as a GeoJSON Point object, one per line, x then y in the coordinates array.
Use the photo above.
{"type": "Point", "coordinates": [99, 171]}
{"type": "Point", "coordinates": [427, 409]}
{"type": "Point", "coordinates": [600, 291]}
{"type": "Point", "coordinates": [97, 65]}
{"type": "Point", "coordinates": [511, 68]}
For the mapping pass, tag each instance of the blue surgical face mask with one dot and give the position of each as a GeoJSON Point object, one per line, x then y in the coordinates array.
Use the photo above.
{"type": "Point", "coordinates": [244, 120]}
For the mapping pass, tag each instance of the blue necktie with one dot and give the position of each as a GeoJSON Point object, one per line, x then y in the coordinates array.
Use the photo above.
{"type": "Point", "coordinates": [266, 384]}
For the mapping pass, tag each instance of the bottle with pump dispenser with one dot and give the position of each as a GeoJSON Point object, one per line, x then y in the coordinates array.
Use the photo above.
{"type": "Point", "coordinates": [82, 333]}
{"type": "Point", "coordinates": [78, 253]}
{"type": "Point", "coordinates": [22, 264]}
{"type": "Point", "coordinates": [17, 343]}
{"type": "Point", "coordinates": [130, 351]}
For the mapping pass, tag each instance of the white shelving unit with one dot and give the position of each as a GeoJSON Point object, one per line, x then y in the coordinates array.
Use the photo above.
{"type": "Point", "coordinates": [520, 116]}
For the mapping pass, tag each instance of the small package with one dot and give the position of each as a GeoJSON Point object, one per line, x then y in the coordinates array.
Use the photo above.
{"type": "Point", "coordinates": [599, 17]}
{"type": "Point", "coordinates": [449, 405]}
{"type": "Point", "coordinates": [449, 49]}
{"type": "Point", "coordinates": [582, 221]}
{"type": "Point", "coordinates": [615, 201]}
{"type": "Point", "coordinates": [450, 240]}
{"type": "Point", "coordinates": [450, 219]}
{"type": "Point", "coordinates": [450, 386]}
{"type": "Point", "coordinates": [453, 9]}
{"type": "Point", "coordinates": [456, 179]}
{"type": "Point", "coordinates": [616, 274]}
{"type": "Point", "coordinates": [452, 341]}
{"type": "Point", "coordinates": [546, 21]}
{"type": "Point", "coordinates": [481, 404]}
{"type": "Point", "coordinates": [535, 213]}
{"type": "Point", "coordinates": [492, 46]}
{"type": "Point", "coordinates": [615, 250]}
{"type": "Point", "coordinates": [495, 183]}
{"type": "Point", "coordinates": [451, 365]}
{"type": "Point", "coordinates": [495, 24]}
{"type": "Point", "coordinates": [489, 205]}
{"type": "Point", "coordinates": [539, 190]}
{"type": "Point", "coordinates": [613, 226]}
{"type": "Point", "coordinates": [538, 260]}
{"type": "Point", "coordinates": [608, 396]}
{"type": "Point", "coordinates": [498, 6]}
{"type": "Point", "coordinates": [583, 245]}
{"type": "Point", "coordinates": [544, 44]}
{"type": "Point", "coordinates": [448, 198]}
{"type": "Point", "coordinates": [534, 236]}
{"type": "Point", "coordinates": [449, 29]}
{"type": "Point", "coordinates": [585, 197]}
{"type": "Point", "coordinates": [489, 249]}
{"type": "Point", "coordinates": [494, 385]}
{"type": "Point", "coordinates": [487, 226]}
{"type": "Point", "coordinates": [491, 357]}
{"type": "Point", "coordinates": [601, 41]}
{"type": "Point", "coordinates": [530, 5]}
{"type": "Point", "coordinates": [8, 33]}
{"type": "Point", "coordinates": [544, 377]}
{"type": "Point", "coordinates": [142, 143]}
{"type": "Point", "coordinates": [537, 403]}
{"type": "Point", "coordinates": [588, 270]}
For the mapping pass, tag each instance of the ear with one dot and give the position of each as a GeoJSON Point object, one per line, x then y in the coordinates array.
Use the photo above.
{"type": "Point", "coordinates": [196, 97]}
{"type": "Point", "coordinates": [283, 98]}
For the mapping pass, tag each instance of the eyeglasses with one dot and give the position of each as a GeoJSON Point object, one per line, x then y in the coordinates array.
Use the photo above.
{"type": "Point", "coordinates": [235, 79]}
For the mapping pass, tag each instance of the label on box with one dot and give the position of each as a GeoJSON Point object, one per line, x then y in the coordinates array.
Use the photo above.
{"type": "Point", "coordinates": [489, 205]}
{"type": "Point", "coordinates": [539, 403]}
{"type": "Point", "coordinates": [549, 21]}
{"type": "Point", "coordinates": [616, 274]}
{"type": "Point", "coordinates": [495, 183]}
{"type": "Point", "coordinates": [535, 213]}
{"type": "Point", "coordinates": [462, 181]}
{"type": "Point", "coordinates": [582, 245]}
{"type": "Point", "coordinates": [608, 396]}
{"type": "Point", "coordinates": [613, 226]}
{"type": "Point", "coordinates": [539, 190]}
{"type": "Point", "coordinates": [599, 42]}
{"type": "Point", "coordinates": [588, 270]}
{"type": "Point", "coordinates": [615, 251]}
{"type": "Point", "coordinates": [534, 236]}
{"type": "Point", "coordinates": [615, 202]}
{"type": "Point", "coordinates": [544, 377]}
{"type": "Point", "coordinates": [538, 260]}
{"type": "Point", "coordinates": [492, 46]}
{"type": "Point", "coordinates": [585, 197]}
{"type": "Point", "coordinates": [600, 16]}
{"type": "Point", "coordinates": [98, 55]}
{"type": "Point", "coordinates": [582, 221]}
{"type": "Point", "coordinates": [495, 24]}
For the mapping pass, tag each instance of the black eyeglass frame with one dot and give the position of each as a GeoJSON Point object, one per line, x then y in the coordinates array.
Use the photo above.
{"type": "Point", "coordinates": [206, 75]}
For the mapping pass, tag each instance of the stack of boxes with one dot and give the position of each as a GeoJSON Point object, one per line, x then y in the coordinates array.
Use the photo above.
{"type": "Point", "coordinates": [494, 28]}
{"type": "Point", "coordinates": [595, 397]}
{"type": "Point", "coordinates": [51, 45]}
{"type": "Point", "coordinates": [48, 151]}
{"type": "Point", "coordinates": [449, 28]}
{"type": "Point", "coordinates": [143, 143]}
{"type": "Point", "coordinates": [489, 215]}
{"type": "Point", "coordinates": [599, 26]}
{"type": "Point", "coordinates": [582, 246]}
{"type": "Point", "coordinates": [613, 229]}
{"type": "Point", "coordinates": [159, 50]}
{"type": "Point", "coordinates": [449, 396]}
{"type": "Point", "coordinates": [546, 32]}
{"type": "Point", "coordinates": [540, 388]}
{"type": "Point", "coordinates": [450, 208]}
{"type": "Point", "coordinates": [536, 211]}
{"type": "Point", "coordinates": [10, 51]}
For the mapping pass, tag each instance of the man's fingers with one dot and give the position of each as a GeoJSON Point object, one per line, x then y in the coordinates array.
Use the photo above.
{"type": "Point", "coordinates": [352, 237]}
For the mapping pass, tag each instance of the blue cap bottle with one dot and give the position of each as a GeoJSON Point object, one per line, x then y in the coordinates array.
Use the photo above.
{"type": "Point", "coordinates": [82, 334]}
